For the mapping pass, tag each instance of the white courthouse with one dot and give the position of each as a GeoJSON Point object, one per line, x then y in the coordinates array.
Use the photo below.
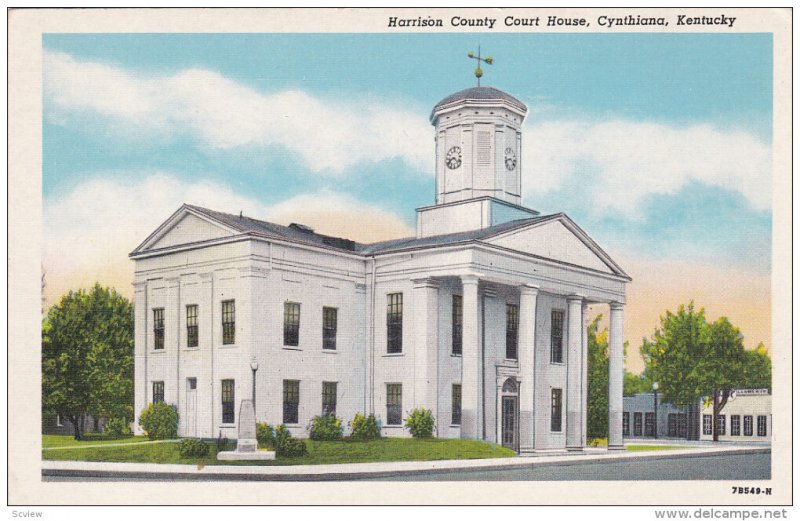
{"type": "Point", "coordinates": [481, 317]}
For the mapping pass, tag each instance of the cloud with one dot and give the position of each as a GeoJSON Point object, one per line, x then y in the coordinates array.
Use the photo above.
{"type": "Point", "coordinates": [90, 231]}
{"type": "Point", "coordinates": [619, 163]}
{"type": "Point", "coordinates": [329, 136]}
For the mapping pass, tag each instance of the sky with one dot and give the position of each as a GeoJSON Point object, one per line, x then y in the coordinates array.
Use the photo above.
{"type": "Point", "coordinates": [658, 145]}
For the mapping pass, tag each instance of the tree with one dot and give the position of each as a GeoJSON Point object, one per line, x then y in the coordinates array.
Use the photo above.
{"type": "Point", "coordinates": [692, 359]}
{"type": "Point", "coordinates": [597, 381]}
{"type": "Point", "coordinates": [635, 384]}
{"type": "Point", "coordinates": [87, 356]}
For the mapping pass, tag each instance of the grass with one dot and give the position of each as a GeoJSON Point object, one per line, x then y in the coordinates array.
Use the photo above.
{"type": "Point", "coordinates": [67, 440]}
{"type": "Point", "coordinates": [639, 448]}
{"type": "Point", "coordinates": [319, 452]}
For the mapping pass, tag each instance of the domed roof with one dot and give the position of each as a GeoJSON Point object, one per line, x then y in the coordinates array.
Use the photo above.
{"type": "Point", "coordinates": [480, 93]}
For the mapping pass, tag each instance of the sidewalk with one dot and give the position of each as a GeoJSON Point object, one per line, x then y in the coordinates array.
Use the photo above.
{"type": "Point", "coordinates": [346, 471]}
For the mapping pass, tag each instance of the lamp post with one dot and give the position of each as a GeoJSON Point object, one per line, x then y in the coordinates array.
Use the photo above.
{"type": "Point", "coordinates": [254, 368]}
{"type": "Point", "coordinates": [655, 410]}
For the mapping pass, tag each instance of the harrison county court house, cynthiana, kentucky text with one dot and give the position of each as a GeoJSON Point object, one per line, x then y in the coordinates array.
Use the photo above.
{"type": "Point", "coordinates": [480, 318]}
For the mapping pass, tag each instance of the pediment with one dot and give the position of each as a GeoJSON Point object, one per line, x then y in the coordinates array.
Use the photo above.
{"type": "Point", "coordinates": [559, 240]}
{"type": "Point", "coordinates": [184, 227]}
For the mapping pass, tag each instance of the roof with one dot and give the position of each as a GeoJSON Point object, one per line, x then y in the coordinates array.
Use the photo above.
{"type": "Point", "coordinates": [293, 232]}
{"type": "Point", "coordinates": [303, 234]}
{"type": "Point", "coordinates": [451, 238]}
{"type": "Point", "coordinates": [480, 93]}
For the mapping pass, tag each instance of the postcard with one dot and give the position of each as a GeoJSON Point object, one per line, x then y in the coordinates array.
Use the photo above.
{"type": "Point", "coordinates": [472, 256]}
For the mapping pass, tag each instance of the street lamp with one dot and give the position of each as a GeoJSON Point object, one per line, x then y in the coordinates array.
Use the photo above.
{"type": "Point", "coordinates": [254, 368]}
{"type": "Point", "coordinates": [655, 410]}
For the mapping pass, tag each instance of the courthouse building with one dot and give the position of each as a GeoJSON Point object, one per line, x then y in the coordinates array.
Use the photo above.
{"type": "Point", "coordinates": [481, 317]}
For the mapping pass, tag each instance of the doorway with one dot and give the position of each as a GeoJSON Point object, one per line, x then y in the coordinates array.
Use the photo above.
{"type": "Point", "coordinates": [509, 415]}
{"type": "Point", "coordinates": [190, 427]}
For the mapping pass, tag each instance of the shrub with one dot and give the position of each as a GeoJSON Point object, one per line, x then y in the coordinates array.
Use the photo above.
{"type": "Point", "coordinates": [223, 443]}
{"type": "Point", "coordinates": [421, 423]}
{"type": "Point", "coordinates": [285, 445]}
{"type": "Point", "coordinates": [291, 448]}
{"type": "Point", "coordinates": [365, 428]}
{"type": "Point", "coordinates": [281, 435]}
{"type": "Point", "coordinates": [265, 435]}
{"type": "Point", "coordinates": [326, 428]}
{"type": "Point", "coordinates": [160, 421]}
{"type": "Point", "coordinates": [190, 448]}
{"type": "Point", "coordinates": [117, 428]}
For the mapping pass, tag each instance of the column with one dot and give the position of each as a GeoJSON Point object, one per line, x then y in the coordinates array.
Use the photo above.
{"type": "Point", "coordinates": [615, 378]}
{"type": "Point", "coordinates": [527, 366]}
{"type": "Point", "coordinates": [574, 373]}
{"type": "Point", "coordinates": [426, 342]}
{"type": "Point", "coordinates": [585, 374]}
{"type": "Point", "coordinates": [470, 360]}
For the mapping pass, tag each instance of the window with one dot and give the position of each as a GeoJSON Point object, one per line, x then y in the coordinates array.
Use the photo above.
{"type": "Point", "coordinates": [456, 416]}
{"type": "Point", "coordinates": [158, 392]}
{"type": "Point", "coordinates": [637, 424]}
{"type": "Point", "coordinates": [458, 321]}
{"type": "Point", "coordinates": [736, 425]}
{"type": "Point", "coordinates": [158, 328]}
{"type": "Point", "coordinates": [748, 425]}
{"type": "Point", "coordinates": [762, 425]}
{"type": "Point", "coordinates": [556, 336]}
{"type": "Point", "coordinates": [672, 425]}
{"type": "Point", "coordinates": [681, 425]}
{"type": "Point", "coordinates": [555, 410]}
{"type": "Point", "coordinates": [228, 322]}
{"type": "Point", "coordinates": [329, 316]}
{"type": "Point", "coordinates": [329, 398]}
{"type": "Point", "coordinates": [707, 422]}
{"type": "Point", "coordinates": [512, 326]}
{"type": "Point", "coordinates": [394, 404]}
{"type": "Point", "coordinates": [228, 415]}
{"type": "Point", "coordinates": [191, 383]}
{"type": "Point", "coordinates": [394, 322]}
{"type": "Point", "coordinates": [721, 425]}
{"type": "Point", "coordinates": [291, 400]}
{"type": "Point", "coordinates": [191, 326]}
{"type": "Point", "coordinates": [291, 323]}
{"type": "Point", "coordinates": [626, 424]}
{"type": "Point", "coordinates": [649, 424]}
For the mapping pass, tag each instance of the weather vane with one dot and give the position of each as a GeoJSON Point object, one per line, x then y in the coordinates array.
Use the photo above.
{"type": "Point", "coordinates": [478, 71]}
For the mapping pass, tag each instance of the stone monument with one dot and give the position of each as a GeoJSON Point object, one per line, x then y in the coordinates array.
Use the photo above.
{"type": "Point", "coordinates": [246, 442]}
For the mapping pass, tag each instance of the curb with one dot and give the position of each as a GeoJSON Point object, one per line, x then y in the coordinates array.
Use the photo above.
{"type": "Point", "coordinates": [343, 472]}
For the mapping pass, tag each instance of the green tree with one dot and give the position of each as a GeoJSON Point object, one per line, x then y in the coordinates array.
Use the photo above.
{"type": "Point", "coordinates": [597, 381]}
{"type": "Point", "coordinates": [635, 384]}
{"type": "Point", "coordinates": [87, 356]}
{"type": "Point", "coordinates": [692, 358]}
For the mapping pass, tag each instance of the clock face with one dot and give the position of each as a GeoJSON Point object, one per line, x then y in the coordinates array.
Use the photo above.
{"type": "Point", "coordinates": [453, 158]}
{"type": "Point", "coordinates": [511, 159]}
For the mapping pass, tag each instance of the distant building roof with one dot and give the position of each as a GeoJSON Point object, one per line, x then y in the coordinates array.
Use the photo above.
{"type": "Point", "coordinates": [480, 93]}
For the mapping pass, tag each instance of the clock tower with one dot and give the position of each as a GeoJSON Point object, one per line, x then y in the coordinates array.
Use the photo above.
{"type": "Point", "coordinates": [478, 162]}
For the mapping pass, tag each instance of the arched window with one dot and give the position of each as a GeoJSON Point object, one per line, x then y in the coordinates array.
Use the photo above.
{"type": "Point", "coordinates": [510, 386]}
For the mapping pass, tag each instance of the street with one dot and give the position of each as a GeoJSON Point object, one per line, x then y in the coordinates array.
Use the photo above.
{"type": "Point", "coordinates": [702, 467]}
{"type": "Point", "coordinates": [727, 466]}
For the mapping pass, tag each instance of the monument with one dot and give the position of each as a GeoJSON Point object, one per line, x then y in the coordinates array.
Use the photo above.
{"type": "Point", "coordinates": [246, 442]}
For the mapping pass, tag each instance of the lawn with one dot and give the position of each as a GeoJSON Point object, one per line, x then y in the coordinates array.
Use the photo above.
{"type": "Point", "coordinates": [319, 452]}
{"type": "Point", "coordinates": [67, 440]}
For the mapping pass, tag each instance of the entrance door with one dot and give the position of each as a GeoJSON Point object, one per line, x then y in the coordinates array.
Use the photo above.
{"type": "Point", "coordinates": [510, 435]}
{"type": "Point", "coordinates": [190, 428]}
